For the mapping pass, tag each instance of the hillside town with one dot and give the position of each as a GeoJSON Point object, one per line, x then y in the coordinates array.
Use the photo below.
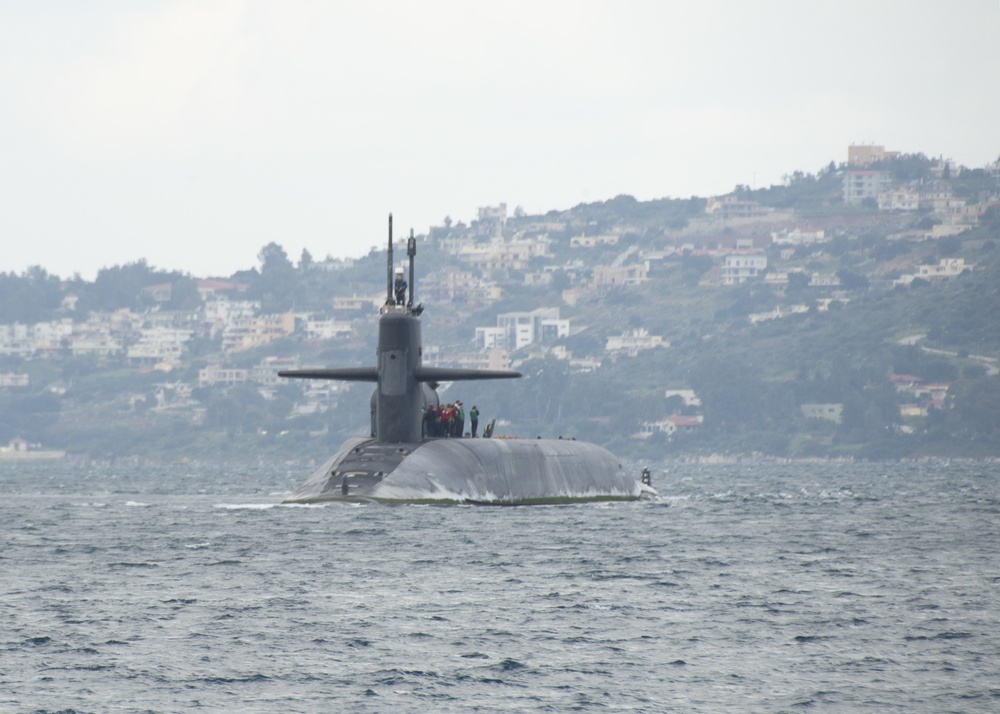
{"type": "Point", "coordinates": [231, 334]}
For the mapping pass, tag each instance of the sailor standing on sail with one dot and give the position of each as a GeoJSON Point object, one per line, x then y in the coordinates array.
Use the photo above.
{"type": "Point", "coordinates": [399, 287]}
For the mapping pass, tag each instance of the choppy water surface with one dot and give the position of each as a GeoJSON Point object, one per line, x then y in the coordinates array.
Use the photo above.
{"type": "Point", "coordinates": [746, 588]}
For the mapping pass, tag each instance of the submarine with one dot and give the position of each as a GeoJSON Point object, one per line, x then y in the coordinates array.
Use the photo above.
{"type": "Point", "coordinates": [399, 462]}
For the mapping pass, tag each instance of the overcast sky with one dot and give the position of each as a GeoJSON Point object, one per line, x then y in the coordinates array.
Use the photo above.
{"type": "Point", "coordinates": [193, 132]}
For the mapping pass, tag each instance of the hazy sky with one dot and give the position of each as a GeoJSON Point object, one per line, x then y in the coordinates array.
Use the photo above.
{"type": "Point", "coordinates": [193, 132]}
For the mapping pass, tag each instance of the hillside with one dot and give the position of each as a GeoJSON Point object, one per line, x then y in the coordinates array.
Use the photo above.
{"type": "Point", "coordinates": [785, 322]}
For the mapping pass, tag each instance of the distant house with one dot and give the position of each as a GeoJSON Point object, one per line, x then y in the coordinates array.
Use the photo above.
{"type": "Point", "coordinates": [217, 374]}
{"type": "Point", "coordinates": [899, 199]}
{"type": "Point", "coordinates": [158, 344]}
{"type": "Point", "coordinates": [797, 237]}
{"type": "Point", "coordinates": [912, 410]}
{"type": "Point", "coordinates": [97, 342]}
{"type": "Point", "coordinates": [17, 444]}
{"type": "Point", "coordinates": [633, 342]}
{"type": "Point", "coordinates": [924, 395]}
{"type": "Point", "coordinates": [491, 220]}
{"type": "Point", "coordinates": [691, 399]}
{"type": "Point", "coordinates": [777, 313]}
{"type": "Point", "coordinates": [326, 329]}
{"type": "Point", "coordinates": [13, 379]}
{"type": "Point", "coordinates": [452, 284]}
{"type": "Point", "coordinates": [868, 154]}
{"type": "Point", "coordinates": [536, 279]}
{"type": "Point", "coordinates": [829, 412]}
{"type": "Point", "coordinates": [358, 303]}
{"type": "Point", "coordinates": [515, 330]}
{"type": "Point", "coordinates": [669, 426]}
{"type": "Point", "coordinates": [585, 241]}
{"type": "Point", "coordinates": [738, 269]}
{"type": "Point", "coordinates": [860, 184]}
{"type": "Point", "coordinates": [210, 287]}
{"type": "Point", "coordinates": [731, 207]}
{"type": "Point", "coordinates": [609, 276]}
{"type": "Point", "coordinates": [943, 230]}
{"type": "Point", "coordinates": [824, 280]}
{"type": "Point", "coordinates": [584, 364]}
{"type": "Point", "coordinates": [158, 293]}
{"type": "Point", "coordinates": [249, 332]}
{"type": "Point", "coordinates": [946, 268]}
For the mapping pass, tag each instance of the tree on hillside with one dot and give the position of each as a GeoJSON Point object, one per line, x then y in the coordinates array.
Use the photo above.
{"type": "Point", "coordinates": [184, 294]}
{"type": "Point", "coordinates": [277, 284]}
{"type": "Point", "coordinates": [693, 267]}
{"type": "Point", "coordinates": [274, 259]}
{"type": "Point", "coordinates": [121, 286]}
{"type": "Point", "coordinates": [971, 184]}
{"type": "Point", "coordinates": [30, 297]}
{"type": "Point", "coordinates": [907, 167]}
{"type": "Point", "coordinates": [977, 407]}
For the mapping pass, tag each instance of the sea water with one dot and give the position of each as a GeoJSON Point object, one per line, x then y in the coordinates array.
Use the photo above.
{"type": "Point", "coordinates": [763, 587]}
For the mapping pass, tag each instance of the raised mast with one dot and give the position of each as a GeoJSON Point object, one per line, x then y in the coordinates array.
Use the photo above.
{"type": "Point", "coordinates": [411, 251]}
{"type": "Point", "coordinates": [389, 299]}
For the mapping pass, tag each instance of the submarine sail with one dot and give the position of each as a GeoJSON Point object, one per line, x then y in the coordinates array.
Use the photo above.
{"type": "Point", "coordinates": [399, 462]}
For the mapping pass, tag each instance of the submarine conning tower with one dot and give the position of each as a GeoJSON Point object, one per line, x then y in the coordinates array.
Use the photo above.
{"type": "Point", "coordinates": [404, 387]}
{"type": "Point", "coordinates": [398, 396]}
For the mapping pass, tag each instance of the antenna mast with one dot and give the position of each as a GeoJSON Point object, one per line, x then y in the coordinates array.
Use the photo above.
{"type": "Point", "coordinates": [388, 270]}
{"type": "Point", "coordinates": [411, 251]}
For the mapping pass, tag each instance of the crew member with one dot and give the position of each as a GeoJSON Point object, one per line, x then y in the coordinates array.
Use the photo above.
{"type": "Point", "coordinates": [474, 419]}
{"type": "Point", "coordinates": [447, 419]}
{"type": "Point", "coordinates": [399, 287]}
{"type": "Point", "coordinates": [429, 416]}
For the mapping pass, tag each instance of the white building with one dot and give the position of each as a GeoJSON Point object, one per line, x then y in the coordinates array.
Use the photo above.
{"type": "Point", "coordinates": [452, 284]}
{"type": "Point", "coordinates": [797, 237]}
{"type": "Point", "coordinates": [738, 269]}
{"type": "Point", "coordinates": [488, 338]}
{"type": "Point", "coordinates": [326, 329]}
{"type": "Point", "coordinates": [491, 220]}
{"type": "Point", "coordinates": [98, 342]}
{"type": "Point", "coordinates": [585, 241]}
{"type": "Point", "coordinates": [16, 340]}
{"type": "Point", "coordinates": [862, 184]}
{"type": "Point", "coordinates": [217, 374]}
{"type": "Point", "coordinates": [633, 342]}
{"type": "Point", "coordinates": [158, 344]}
{"type": "Point", "coordinates": [220, 311]}
{"type": "Point", "coordinates": [946, 268]}
{"type": "Point", "coordinates": [520, 329]}
{"type": "Point", "coordinates": [900, 199]}
{"type": "Point", "coordinates": [823, 280]}
{"type": "Point", "coordinates": [669, 426]}
{"type": "Point", "coordinates": [829, 412]}
{"type": "Point", "coordinates": [691, 399]}
{"type": "Point", "coordinates": [15, 379]}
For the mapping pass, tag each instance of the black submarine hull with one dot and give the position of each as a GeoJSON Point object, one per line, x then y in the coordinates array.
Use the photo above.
{"type": "Point", "coordinates": [479, 471]}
